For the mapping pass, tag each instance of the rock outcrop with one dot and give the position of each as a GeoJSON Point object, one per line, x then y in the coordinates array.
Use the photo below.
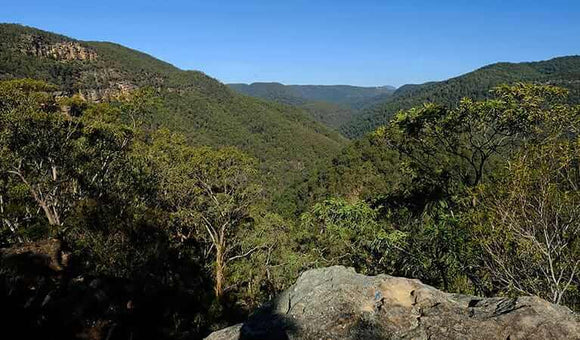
{"type": "Point", "coordinates": [63, 50]}
{"type": "Point", "coordinates": [79, 64]}
{"type": "Point", "coordinates": [40, 299]}
{"type": "Point", "coordinates": [337, 303]}
{"type": "Point", "coordinates": [40, 256]}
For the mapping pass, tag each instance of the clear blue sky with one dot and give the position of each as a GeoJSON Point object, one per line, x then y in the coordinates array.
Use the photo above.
{"type": "Point", "coordinates": [360, 42]}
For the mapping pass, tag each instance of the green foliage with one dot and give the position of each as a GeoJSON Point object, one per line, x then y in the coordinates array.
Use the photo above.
{"type": "Point", "coordinates": [208, 195]}
{"type": "Point", "coordinates": [439, 250]}
{"type": "Point", "coordinates": [329, 114]}
{"type": "Point", "coordinates": [331, 105]}
{"type": "Point", "coordinates": [341, 232]}
{"type": "Point", "coordinates": [134, 204]}
{"type": "Point", "coordinates": [517, 151]}
{"type": "Point", "coordinates": [562, 72]}
{"type": "Point", "coordinates": [348, 96]}
{"type": "Point", "coordinates": [284, 139]}
{"type": "Point", "coordinates": [527, 220]}
{"type": "Point", "coordinates": [364, 170]}
{"type": "Point", "coordinates": [461, 145]}
{"type": "Point", "coordinates": [59, 159]}
{"type": "Point", "coordinates": [273, 260]}
{"type": "Point", "coordinates": [176, 182]}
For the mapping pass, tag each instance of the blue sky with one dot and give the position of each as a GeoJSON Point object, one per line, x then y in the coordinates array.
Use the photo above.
{"type": "Point", "coordinates": [360, 42]}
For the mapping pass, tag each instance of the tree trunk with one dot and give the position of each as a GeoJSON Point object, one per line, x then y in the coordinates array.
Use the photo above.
{"type": "Point", "coordinates": [52, 217]}
{"type": "Point", "coordinates": [443, 273]}
{"type": "Point", "coordinates": [219, 272]}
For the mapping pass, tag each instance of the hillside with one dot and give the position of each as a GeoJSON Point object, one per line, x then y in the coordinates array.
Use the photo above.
{"type": "Point", "coordinates": [282, 137]}
{"type": "Point", "coordinates": [270, 91]}
{"type": "Point", "coordinates": [352, 96]}
{"type": "Point", "coordinates": [562, 71]}
{"type": "Point", "coordinates": [332, 105]}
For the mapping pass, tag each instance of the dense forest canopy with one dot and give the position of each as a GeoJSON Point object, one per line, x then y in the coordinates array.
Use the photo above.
{"type": "Point", "coordinates": [332, 105]}
{"type": "Point", "coordinates": [141, 201]}
{"type": "Point", "coordinates": [351, 96]}
{"type": "Point", "coordinates": [284, 139]}
{"type": "Point", "coordinates": [563, 72]}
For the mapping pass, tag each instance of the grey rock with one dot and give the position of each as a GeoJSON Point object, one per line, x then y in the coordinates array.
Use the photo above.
{"type": "Point", "coordinates": [231, 332]}
{"type": "Point", "coordinates": [337, 303]}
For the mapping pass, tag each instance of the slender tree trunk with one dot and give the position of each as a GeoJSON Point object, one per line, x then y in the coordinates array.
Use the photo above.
{"type": "Point", "coordinates": [51, 218]}
{"type": "Point", "coordinates": [219, 271]}
{"type": "Point", "coordinates": [443, 274]}
{"type": "Point", "coordinates": [51, 215]}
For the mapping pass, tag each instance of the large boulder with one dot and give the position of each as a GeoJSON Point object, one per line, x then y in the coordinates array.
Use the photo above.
{"type": "Point", "coordinates": [46, 256]}
{"type": "Point", "coordinates": [337, 303]}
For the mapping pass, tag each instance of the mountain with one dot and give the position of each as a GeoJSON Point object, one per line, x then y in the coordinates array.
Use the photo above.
{"type": "Point", "coordinates": [283, 138]}
{"type": "Point", "coordinates": [562, 71]}
{"type": "Point", "coordinates": [352, 96]}
{"type": "Point", "coordinates": [270, 91]}
{"type": "Point", "coordinates": [332, 105]}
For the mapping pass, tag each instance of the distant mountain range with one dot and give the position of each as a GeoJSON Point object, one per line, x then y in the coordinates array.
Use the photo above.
{"type": "Point", "coordinates": [332, 105]}
{"type": "Point", "coordinates": [562, 71]}
{"type": "Point", "coordinates": [283, 138]}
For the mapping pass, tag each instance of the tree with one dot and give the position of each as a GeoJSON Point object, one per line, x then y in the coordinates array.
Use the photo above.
{"type": "Point", "coordinates": [458, 147]}
{"type": "Point", "coordinates": [60, 151]}
{"type": "Point", "coordinates": [531, 221]}
{"type": "Point", "coordinates": [339, 231]}
{"type": "Point", "coordinates": [440, 155]}
{"type": "Point", "coordinates": [139, 105]}
{"type": "Point", "coordinates": [275, 264]}
{"type": "Point", "coordinates": [209, 194]}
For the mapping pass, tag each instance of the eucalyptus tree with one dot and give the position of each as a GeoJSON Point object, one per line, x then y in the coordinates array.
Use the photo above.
{"type": "Point", "coordinates": [209, 194]}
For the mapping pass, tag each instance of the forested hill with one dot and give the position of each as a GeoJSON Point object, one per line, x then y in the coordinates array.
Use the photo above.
{"type": "Point", "coordinates": [562, 71]}
{"type": "Point", "coordinates": [283, 138]}
{"type": "Point", "coordinates": [353, 96]}
{"type": "Point", "coordinates": [332, 105]}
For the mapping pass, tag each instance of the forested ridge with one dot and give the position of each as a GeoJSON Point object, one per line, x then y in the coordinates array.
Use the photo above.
{"type": "Point", "coordinates": [352, 96]}
{"type": "Point", "coordinates": [562, 71]}
{"type": "Point", "coordinates": [283, 138]}
{"type": "Point", "coordinates": [140, 201]}
{"type": "Point", "coordinates": [332, 105]}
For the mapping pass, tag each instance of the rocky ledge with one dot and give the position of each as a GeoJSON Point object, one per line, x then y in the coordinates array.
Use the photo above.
{"type": "Point", "coordinates": [337, 303]}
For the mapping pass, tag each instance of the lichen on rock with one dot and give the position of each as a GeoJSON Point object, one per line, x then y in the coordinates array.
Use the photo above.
{"type": "Point", "coordinates": [337, 303]}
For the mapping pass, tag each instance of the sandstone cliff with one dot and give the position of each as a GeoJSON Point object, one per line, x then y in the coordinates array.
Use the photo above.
{"type": "Point", "coordinates": [63, 50]}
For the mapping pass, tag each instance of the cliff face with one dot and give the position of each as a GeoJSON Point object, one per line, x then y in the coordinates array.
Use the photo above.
{"type": "Point", "coordinates": [337, 303]}
{"type": "Point", "coordinates": [75, 66]}
{"type": "Point", "coordinates": [34, 45]}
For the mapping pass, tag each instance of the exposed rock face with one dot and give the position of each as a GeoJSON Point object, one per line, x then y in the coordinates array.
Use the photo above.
{"type": "Point", "coordinates": [337, 303]}
{"type": "Point", "coordinates": [95, 83]}
{"type": "Point", "coordinates": [113, 90]}
{"type": "Point", "coordinates": [66, 50]}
